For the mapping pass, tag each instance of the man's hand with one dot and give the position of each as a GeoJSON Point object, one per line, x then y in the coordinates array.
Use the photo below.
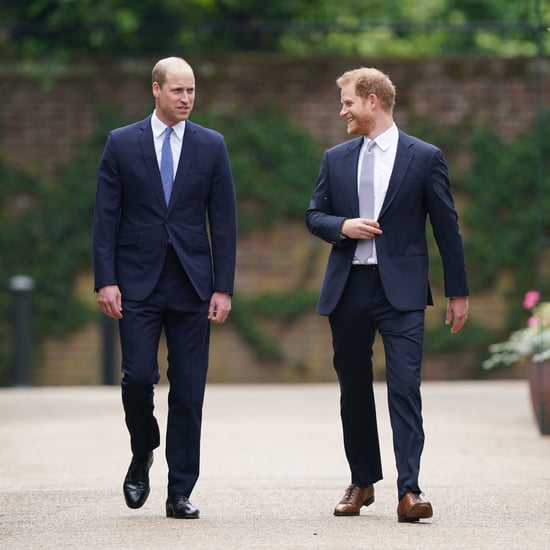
{"type": "Point", "coordinates": [457, 312]}
{"type": "Point", "coordinates": [109, 300]}
{"type": "Point", "coordinates": [360, 228]}
{"type": "Point", "coordinates": [220, 306]}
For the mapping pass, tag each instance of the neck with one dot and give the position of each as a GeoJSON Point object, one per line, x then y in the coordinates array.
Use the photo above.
{"type": "Point", "coordinates": [382, 125]}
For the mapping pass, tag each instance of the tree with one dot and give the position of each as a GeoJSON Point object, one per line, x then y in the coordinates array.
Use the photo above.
{"type": "Point", "coordinates": [364, 27]}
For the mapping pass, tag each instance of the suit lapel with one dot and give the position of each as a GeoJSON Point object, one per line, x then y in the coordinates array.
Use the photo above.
{"type": "Point", "coordinates": [403, 158]}
{"type": "Point", "coordinates": [187, 151]}
{"type": "Point", "coordinates": [147, 145]}
{"type": "Point", "coordinates": [349, 175]}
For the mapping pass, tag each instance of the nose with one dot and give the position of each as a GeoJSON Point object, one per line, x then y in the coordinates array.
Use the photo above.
{"type": "Point", "coordinates": [343, 111]}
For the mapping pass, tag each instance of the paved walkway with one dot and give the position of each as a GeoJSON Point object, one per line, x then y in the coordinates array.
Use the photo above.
{"type": "Point", "coordinates": [273, 469]}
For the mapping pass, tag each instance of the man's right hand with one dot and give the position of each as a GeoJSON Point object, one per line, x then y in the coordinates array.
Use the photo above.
{"type": "Point", "coordinates": [109, 300]}
{"type": "Point", "coordinates": [360, 228]}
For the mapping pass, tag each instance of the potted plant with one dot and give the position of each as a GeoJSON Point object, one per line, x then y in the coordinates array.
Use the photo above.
{"type": "Point", "coordinates": [530, 345]}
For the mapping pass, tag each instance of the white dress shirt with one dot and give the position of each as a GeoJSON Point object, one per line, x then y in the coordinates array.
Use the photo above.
{"type": "Point", "coordinates": [384, 159]}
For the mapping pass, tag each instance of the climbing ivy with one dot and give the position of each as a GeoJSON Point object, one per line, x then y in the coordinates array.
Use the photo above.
{"type": "Point", "coordinates": [504, 216]}
{"type": "Point", "coordinates": [45, 226]}
{"type": "Point", "coordinates": [286, 307]}
{"type": "Point", "coordinates": [505, 205]}
{"type": "Point", "coordinates": [275, 164]}
{"type": "Point", "coordinates": [45, 234]}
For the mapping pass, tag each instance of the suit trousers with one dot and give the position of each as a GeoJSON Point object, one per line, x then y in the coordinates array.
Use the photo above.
{"type": "Point", "coordinates": [362, 311]}
{"type": "Point", "coordinates": [174, 307]}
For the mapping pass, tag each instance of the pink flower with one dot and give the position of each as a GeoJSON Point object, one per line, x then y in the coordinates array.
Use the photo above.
{"type": "Point", "coordinates": [531, 299]}
{"type": "Point", "coordinates": [533, 321]}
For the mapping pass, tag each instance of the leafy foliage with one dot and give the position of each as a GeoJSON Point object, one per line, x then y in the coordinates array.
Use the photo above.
{"type": "Point", "coordinates": [247, 313]}
{"type": "Point", "coordinates": [60, 28]}
{"type": "Point", "coordinates": [274, 165]}
{"type": "Point", "coordinates": [45, 234]}
{"type": "Point", "coordinates": [45, 228]}
{"type": "Point", "coordinates": [506, 206]}
{"type": "Point", "coordinates": [504, 216]}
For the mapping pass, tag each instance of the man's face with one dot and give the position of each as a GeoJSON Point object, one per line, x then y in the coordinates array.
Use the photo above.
{"type": "Point", "coordinates": [174, 100]}
{"type": "Point", "coordinates": [356, 110]}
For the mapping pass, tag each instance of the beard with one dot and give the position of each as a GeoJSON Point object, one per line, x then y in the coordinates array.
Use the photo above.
{"type": "Point", "coordinates": [360, 125]}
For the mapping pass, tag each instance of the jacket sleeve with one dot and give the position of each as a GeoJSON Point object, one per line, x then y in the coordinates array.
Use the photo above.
{"type": "Point", "coordinates": [106, 217]}
{"type": "Point", "coordinates": [222, 217]}
{"type": "Point", "coordinates": [320, 218]}
{"type": "Point", "coordinates": [444, 222]}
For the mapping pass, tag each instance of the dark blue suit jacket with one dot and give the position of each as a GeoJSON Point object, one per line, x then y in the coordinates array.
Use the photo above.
{"type": "Point", "coordinates": [419, 188]}
{"type": "Point", "coordinates": [132, 224]}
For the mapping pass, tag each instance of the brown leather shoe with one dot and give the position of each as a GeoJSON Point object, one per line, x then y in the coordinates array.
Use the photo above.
{"type": "Point", "coordinates": [353, 499]}
{"type": "Point", "coordinates": [413, 507]}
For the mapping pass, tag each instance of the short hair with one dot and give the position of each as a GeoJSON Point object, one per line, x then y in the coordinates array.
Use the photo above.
{"type": "Point", "coordinates": [370, 81]}
{"type": "Point", "coordinates": [162, 66]}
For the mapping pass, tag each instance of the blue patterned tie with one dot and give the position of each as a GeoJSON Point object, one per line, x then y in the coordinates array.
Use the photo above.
{"type": "Point", "coordinates": [167, 165]}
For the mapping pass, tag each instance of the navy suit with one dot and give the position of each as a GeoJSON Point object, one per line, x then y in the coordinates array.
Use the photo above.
{"type": "Point", "coordinates": [167, 262]}
{"type": "Point", "coordinates": [390, 298]}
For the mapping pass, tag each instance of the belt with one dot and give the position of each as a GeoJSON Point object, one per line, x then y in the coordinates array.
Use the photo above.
{"type": "Point", "coordinates": [372, 267]}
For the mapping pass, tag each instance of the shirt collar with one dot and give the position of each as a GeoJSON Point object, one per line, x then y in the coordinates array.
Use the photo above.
{"type": "Point", "coordinates": [158, 127]}
{"type": "Point", "coordinates": [389, 137]}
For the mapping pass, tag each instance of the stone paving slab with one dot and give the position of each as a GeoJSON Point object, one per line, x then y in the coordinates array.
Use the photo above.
{"type": "Point", "coordinates": [273, 468]}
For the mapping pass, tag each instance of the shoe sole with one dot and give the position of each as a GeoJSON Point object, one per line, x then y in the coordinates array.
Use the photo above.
{"type": "Point", "coordinates": [415, 516]}
{"type": "Point", "coordinates": [135, 506]}
{"type": "Point", "coordinates": [367, 502]}
{"type": "Point", "coordinates": [170, 514]}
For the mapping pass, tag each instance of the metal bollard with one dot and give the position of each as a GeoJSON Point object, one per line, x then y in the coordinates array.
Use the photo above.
{"type": "Point", "coordinates": [22, 287]}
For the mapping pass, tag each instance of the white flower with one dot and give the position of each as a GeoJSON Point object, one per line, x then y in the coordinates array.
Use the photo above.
{"type": "Point", "coordinates": [530, 342]}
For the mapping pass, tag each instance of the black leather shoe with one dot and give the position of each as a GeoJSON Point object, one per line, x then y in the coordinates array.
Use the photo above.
{"type": "Point", "coordinates": [136, 483]}
{"type": "Point", "coordinates": [178, 506]}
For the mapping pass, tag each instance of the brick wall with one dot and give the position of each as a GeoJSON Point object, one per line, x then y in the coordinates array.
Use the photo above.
{"type": "Point", "coordinates": [41, 123]}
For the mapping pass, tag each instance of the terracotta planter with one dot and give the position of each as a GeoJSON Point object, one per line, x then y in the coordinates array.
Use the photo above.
{"type": "Point", "coordinates": [539, 387]}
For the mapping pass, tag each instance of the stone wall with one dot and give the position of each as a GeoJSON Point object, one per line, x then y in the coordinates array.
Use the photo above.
{"type": "Point", "coordinates": [41, 123]}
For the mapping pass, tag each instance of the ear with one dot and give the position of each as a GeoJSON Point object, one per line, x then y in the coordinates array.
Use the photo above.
{"type": "Point", "coordinates": [156, 89]}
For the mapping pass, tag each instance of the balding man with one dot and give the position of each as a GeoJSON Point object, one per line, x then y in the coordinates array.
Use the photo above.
{"type": "Point", "coordinates": [164, 248]}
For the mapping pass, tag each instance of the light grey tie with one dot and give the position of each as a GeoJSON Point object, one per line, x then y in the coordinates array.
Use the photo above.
{"type": "Point", "coordinates": [363, 250]}
{"type": "Point", "coordinates": [167, 165]}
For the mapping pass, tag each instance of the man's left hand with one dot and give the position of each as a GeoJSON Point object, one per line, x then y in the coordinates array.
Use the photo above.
{"type": "Point", "coordinates": [457, 312]}
{"type": "Point", "coordinates": [220, 306]}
